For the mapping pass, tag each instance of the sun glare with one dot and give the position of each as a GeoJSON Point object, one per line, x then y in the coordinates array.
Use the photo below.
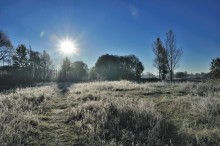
{"type": "Point", "coordinates": [68, 47]}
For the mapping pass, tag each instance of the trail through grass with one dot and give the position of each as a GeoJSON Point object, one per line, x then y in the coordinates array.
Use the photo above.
{"type": "Point", "coordinates": [52, 124]}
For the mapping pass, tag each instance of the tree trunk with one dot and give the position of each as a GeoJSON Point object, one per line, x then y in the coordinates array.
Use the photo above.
{"type": "Point", "coordinates": [171, 75]}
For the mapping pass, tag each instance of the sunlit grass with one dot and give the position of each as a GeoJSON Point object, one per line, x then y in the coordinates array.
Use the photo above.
{"type": "Point", "coordinates": [112, 113]}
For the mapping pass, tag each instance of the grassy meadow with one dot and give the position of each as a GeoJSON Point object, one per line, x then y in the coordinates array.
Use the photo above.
{"type": "Point", "coordinates": [111, 113]}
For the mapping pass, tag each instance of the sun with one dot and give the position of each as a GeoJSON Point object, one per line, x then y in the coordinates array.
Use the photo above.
{"type": "Point", "coordinates": [68, 47]}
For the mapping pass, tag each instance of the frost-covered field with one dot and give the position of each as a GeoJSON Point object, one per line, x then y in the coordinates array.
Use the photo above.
{"type": "Point", "coordinates": [111, 113]}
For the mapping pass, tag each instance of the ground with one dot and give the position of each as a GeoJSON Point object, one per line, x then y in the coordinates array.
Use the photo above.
{"type": "Point", "coordinates": [111, 113]}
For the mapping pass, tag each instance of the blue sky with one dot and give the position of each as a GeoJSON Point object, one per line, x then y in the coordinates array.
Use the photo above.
{"type": "Point", "coordinates": [116, 27]}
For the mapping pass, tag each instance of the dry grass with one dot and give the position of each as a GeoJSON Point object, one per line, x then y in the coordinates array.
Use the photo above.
{"type": "Point", "coordinates": [19, 124]}
{"type": "Point", "coordinates": [112, 113]}
{"type": "Point", "coordinates": [117, 121]}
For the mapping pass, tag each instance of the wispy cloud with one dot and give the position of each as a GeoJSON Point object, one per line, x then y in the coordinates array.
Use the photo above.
{"type": "Point", "coordinates": [133, 10]}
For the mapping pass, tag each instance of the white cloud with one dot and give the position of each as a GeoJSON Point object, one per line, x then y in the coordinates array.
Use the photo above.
{"type": "Point", "coordinates": [42, 33]}
{"type": "Point", "coordinates": [133, 10]}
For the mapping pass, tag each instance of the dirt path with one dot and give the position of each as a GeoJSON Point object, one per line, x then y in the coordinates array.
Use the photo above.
{"type": "Point", "coordinates": [53, 128]}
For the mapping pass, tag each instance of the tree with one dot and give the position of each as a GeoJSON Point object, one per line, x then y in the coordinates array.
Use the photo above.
{"type": "Point", "coordinates": [35, 68]}
{"type": "Point", "coordinates": [181, 74]}
{"type": "Point", "coordinates": [108, 67]}
{"type": "Point", "coordinates": [20, 59]}
{"type": "Point", "coordinates": [131, 67]}
{"type": "Point", "coordinates": [113, 67]}
{"type": "Point", "coordinates": [215, 68]}
{"type": "Point", "coordinates": [76, 71]}
{"type": "Point", "coordinates": [150, 75]}
{"type": "Point", "coordinates": [65, 72]}
{"type": "Point", "coordinates": [160, 60]}
{"type": "Point", "coordinates": [5, 47]}
{"type": "Point", "coordinates": [21, 64]}
{"type": "Point", "coordinates": [46, 64]}
{"type": "Point", "coordinates": [173, 54]}
{"type": "Point", "coordinates": [93, 75]}
{"type": "Point", "coordinates": [79, 71]}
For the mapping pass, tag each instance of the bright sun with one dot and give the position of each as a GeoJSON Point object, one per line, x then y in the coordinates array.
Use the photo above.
{"type": "Point", "coordinates": [68, 47]}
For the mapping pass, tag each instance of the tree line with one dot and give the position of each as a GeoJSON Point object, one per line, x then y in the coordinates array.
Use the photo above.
{"type": "Point", "coordinates": [107, 67]}
{"type": "Point", "coordinates": [26, 67]}
{"type": "Point", "coordinates": [183, 75]}
{"type": "Point", "coordinates": [23, 65]}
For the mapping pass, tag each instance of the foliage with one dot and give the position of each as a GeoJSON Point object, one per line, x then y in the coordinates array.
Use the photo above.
{"type": "Point", "coordinates": [215, 68]}
{"type": "Point", "coordinates": [76, 71]}
{"type": "Point", "coordinates": [113, 67]}
{"type": "Point", "coordinates": [65, 73]}
{"type": "Point", "coordinates": [46, 64]}
{"type": "Point", "coordinates": [80, 71]}
{"type": "Point", "coordinates": [34, 66]}
{"type": "Point", "coordinates": [108, 67]}
{"type": "Point", "coordinates": [93, 75]}
{"type": "Point", "coordinates": [181, 74]}
{"type": "Point", "coordinates": [28, 67]}
{"type": "Point", "coordinates": [160, 60]}
{"type": "Point", "coordinates": [20, 59]}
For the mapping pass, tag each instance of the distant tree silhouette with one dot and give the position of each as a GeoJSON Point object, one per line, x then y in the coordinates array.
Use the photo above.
{"type": "Point", "coordinates": [108, 67]}
{"type": "Point", "coordinates": [34, 65]}
{"type": "Point", "coordinates": [93, 74]}
{"type": "Point", "coordinates": [173, 54]}
{"type": "Point", "coordinates": [31, 66]}
{"type": "Point", "coordinates": [131, 67]}
{"type": "Point", "coordinates": [65, 73]}
{"type": "Point", "coordinates": [21, 73]}
{"type": "Point", "coordinates": [46, 64]}
{"type": "Point", "coordinates": [160, 60]}
{"type": "Point", "coordinates": [181, 74]}
{"type": "Point", "coordinates": [6, 47]}
{"type": "Point", "coordinates": [20, 59]}
{"type": "Point", "coordinates": [215, 68]}
{"type": "Point", "coordinates": [113, 67]}
{"type": "Point", "coordinates": [76, 71]}
{"type": "Point", "coordinates": [79, 71]}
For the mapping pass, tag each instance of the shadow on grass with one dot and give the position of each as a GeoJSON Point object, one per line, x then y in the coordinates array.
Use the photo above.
{"type": "Point", "coordinates": [64, 86]}
{"type": "Point", "coordinates": [172, 137]}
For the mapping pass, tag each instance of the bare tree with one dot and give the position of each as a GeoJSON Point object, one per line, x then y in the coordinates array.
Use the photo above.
{"type": "Point", "coordinates": [5, 47]}
{"type": "Point", "coordinates": [160, 60]}
{"type": "Point", "coordinates": [173, 54]}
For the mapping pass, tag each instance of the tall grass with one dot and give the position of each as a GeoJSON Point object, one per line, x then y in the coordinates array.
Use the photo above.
{"type": "Point", "coordinates": [18, 120]}
{"type": "Point", "coordinates": [198, 113]}
{"type": "Point", "coordinates": [112, 113]}
{"type": "Point", "coordinates": [118, 121]}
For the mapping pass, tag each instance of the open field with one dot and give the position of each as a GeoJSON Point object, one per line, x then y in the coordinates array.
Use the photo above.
{"type": "Point", "coordinates": [111, 113]}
